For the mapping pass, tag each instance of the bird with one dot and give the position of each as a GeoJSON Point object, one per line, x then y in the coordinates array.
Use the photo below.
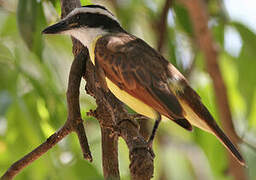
{"type": "Point", "coordinates": [137, 74]}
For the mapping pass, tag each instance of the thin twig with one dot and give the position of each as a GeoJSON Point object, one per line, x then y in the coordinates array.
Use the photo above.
{"type": "Point", "coordinates": [206, 43]}
{"type": "Point", "coordinates": [36, 153]}
{"type": "Point", "coordinates": [74, 106]}
{"type": "Point", "coordinates": [74, 115]}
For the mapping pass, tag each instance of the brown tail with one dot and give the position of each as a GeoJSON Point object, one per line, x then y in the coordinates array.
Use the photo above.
{"type": "Point", "coordinates": [205, 115]}
{"type": "Point", "coordinates": [194, 102]}
{"type": "Point", "coordinates": [228, 144]}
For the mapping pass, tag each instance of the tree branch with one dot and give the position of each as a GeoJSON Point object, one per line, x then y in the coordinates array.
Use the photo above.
{"type": "Point", "coordinates": [76, 72]}
{"type": "Point", "coordinates": [74, 114]}
{"type": "Point", "coordinates": [162, 25]}
{"type": "Point", "coordinates": [36, 153]}
{"type": "Point", "coordinates": [206, 43]}
{"type": "Point", "coordinates": [113, 116]}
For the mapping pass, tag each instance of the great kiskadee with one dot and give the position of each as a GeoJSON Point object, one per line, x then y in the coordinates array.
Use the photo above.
{"type": "Point", "coordinates": [137, 74]}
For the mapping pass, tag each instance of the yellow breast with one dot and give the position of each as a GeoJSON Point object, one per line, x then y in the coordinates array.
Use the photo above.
{"type": "Point", "coordinates": [92, 48]}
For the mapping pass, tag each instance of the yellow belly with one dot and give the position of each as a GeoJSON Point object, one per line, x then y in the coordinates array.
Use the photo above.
{"type": "Point", "coordinates": [131, 101]}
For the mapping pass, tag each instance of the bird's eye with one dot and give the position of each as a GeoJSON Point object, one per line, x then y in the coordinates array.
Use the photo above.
{"type": "Point", "coordinates": [77, 17]}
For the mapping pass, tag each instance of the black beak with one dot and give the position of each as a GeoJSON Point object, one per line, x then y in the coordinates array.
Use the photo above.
{"type": "Point", "coordinates": [56, 28]}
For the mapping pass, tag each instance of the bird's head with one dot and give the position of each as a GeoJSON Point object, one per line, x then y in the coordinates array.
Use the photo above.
{"type": "Point", "coordinates": [86, 23]}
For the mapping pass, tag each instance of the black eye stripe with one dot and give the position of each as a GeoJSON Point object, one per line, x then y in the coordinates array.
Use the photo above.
{"type": "Point", "coordinates": [88, 17]}
{"type": "Point", "coordinates": [94, 20]}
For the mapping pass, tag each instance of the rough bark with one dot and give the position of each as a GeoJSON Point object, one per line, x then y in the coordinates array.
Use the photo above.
{"type": "Point", "coordinates": [113, 116]}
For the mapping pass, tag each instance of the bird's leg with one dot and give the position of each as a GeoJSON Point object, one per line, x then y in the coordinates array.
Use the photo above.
{"type": "Point", "coordinates": [151, 138]}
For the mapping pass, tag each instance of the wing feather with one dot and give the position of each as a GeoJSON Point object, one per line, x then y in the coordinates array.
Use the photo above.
{"type": "Point", "coordinates": [139, 70]}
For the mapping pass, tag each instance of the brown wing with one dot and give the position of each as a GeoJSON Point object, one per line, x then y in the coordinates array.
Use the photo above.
{"type": "Point", "coordinates": [139, 70]}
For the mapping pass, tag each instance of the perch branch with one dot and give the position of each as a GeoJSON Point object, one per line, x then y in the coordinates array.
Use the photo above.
{"type": "Point", "coordinates": [206, 43]}
{"type": "Point", "coordinates": [116, 121]}
{"type": "Point", "coordinates": [74, 114]}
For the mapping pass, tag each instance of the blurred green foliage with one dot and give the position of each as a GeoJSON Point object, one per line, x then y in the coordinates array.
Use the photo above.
{"type": "Point", "coordinates": [33, 79]}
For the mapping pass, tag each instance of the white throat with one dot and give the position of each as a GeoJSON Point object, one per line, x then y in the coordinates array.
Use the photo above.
{"type": "Point", "coordinates": [86, 35]}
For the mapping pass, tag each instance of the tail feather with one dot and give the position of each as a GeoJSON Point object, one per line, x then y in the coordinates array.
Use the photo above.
{"type": "Point", "coordinates": [198, 115]}
{"type": "Point", "coordinates": [228, 144]}
{"type": "Point", "coordinates": [184, 123]}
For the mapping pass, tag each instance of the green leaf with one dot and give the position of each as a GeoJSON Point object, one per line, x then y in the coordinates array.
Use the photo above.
{"type": "Point", "coordinates": [182, 18]}
{"type": "Point", "coordinates": [246, 65]}
{"type": "Point", "coordinates": [215, 152]}
{"type": "Point", "coordinates": [230, 75]}
{"type": "Point", "coordinates": [9, 26]}
{"type": "Point", "coordinates": [5, 101]}
{"type": "Point", "coordinates": [31, 21]}
{"type": "Point", "coordinates": [7, 75]}
{"type": "Point", "coordinates": [85, 2]}
{"type": "Point", "coordinates": [5, 53]}
{"type": "Point", "coordinates": [218, 33]}
{"type": "Point", "coordinates": [171, 46]}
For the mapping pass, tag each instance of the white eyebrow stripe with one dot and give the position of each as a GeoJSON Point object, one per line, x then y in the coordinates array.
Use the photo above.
{"type": "Point", "coordinates": [91, 10]}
